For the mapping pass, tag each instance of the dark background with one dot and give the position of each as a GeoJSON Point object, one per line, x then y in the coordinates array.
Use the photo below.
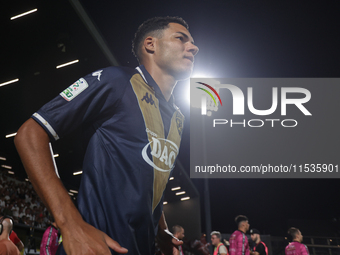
{"type": "Point", "coordinates": [236, 39]}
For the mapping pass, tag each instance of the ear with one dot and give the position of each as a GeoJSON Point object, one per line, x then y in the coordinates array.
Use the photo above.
{"type": "Point", "coordinates": [150, 44]}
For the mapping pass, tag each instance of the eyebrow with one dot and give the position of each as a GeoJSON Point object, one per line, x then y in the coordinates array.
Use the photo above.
{"type": "Point", "coordinates": [186, 36]}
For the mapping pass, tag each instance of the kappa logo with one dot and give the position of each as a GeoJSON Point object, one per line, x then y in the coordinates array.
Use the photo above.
{"type": "Point", "coordinates": [149, 100]}
{"type": "Point", "coordinates": [98, 73]}
{"type": "Point", "coordinates": [166, 153]}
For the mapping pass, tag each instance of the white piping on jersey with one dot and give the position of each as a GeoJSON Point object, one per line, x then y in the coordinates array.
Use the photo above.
{"type": "Point", "coordinates": [47, 125]}
{"type": "Point", "coordinates": [48, 242]}
{"type": "Point", "coordinates": [54, 163]}
{"type": "Point", "coordinates": [141, 73]}
{"type": "Point", "coordinates": [243, 242]}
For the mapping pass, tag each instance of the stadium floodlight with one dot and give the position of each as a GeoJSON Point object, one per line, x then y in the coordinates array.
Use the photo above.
{"type": "Point", "coordinates": [8, 82]}
{"type": "Point", "coordinates": [68, 63]}
{"type": "Point", "coordinates": [11, 135]}
{"type": "Point", "coordinates": [185, 198]}
{"type": "Point", "coordinates": [180, 193]}
{"type": "Point", "coordinates": [23, 14]}
{"type": "Point", "coordinates": [176, 188]}
{"type": "Point", "coordinates": [7, 167]}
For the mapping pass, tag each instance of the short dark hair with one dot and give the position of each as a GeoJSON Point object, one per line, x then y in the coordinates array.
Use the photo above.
{"type": "Point", "coordinates": [176, 229]}
{"type": "Point", "coordinates": [293, 232]}
{"type": "Point", "coordinates": [153, 27]}
{"type": "Point", "coordinates": [240, 218]}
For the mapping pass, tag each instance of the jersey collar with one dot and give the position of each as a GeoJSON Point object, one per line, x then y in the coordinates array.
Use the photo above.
{"type": "Point", "coordinates": [151, 82]}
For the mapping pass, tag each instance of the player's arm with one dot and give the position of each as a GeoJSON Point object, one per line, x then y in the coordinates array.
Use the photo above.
{"type": "Point", "coordinates": [175, 251]}
{"type": "Point", "coordinates": [32, 143]}
{"type": "Point", "coordinates": [165, 241]}
{"type": "Point", "coordinates": [16, 240]}
{"type": "Point", "coordinates": [20, 246]}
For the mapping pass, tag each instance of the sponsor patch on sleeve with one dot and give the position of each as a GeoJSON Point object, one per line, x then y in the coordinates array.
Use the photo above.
{"type": "Point", "coordinates": [74, 90]}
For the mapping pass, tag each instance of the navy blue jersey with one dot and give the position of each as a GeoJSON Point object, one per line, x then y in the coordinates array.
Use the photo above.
{"type": "Point", "coordinates": [133, 138]}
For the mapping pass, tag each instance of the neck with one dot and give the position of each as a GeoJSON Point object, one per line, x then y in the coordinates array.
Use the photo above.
{"type": "Point", "coordinates": [242, 230]}
{"type": "Point", "coordinates": [296, 240]}
{"type": "Point", "coordinates": [258, 241]}
{"type": "Point", "coordinates": [4, 236]}
{"type": "Point", "coordinates": [164, 80]}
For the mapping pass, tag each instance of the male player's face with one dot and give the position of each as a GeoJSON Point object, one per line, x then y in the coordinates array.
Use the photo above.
{"type": "Point", "coordinates": [181, 234]}
{"type": "Point", "coordinates": [214, 240]}
{"type": "Point", "coordinates": [246, 225]}
{"type": "Point", "coordinates": [175, 52]}
{"type": "Point", "coordinates": [299, 236]}
{"type": "Point", "coordinates": [254, 237]}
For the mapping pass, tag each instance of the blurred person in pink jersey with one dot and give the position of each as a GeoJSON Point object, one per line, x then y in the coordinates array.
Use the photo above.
{"type": "Point", "coordinates": [49, 243]}
{"type": "Point", "coordinates": [238, 240]}
{"type": "Point", "coordinates": [296, 247]}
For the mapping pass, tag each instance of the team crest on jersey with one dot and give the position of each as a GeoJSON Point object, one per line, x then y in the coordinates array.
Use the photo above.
{"type": "Point", "coordinates": [179, 123]}
{"type": "Point", "coordinates": [74, 90]}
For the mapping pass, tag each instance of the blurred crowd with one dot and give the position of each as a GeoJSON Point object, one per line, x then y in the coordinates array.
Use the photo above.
{"type": "Point", "coordinates": [19, 200]}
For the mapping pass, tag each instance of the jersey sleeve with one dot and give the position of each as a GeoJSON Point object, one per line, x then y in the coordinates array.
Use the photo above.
{"type": "Point", "coordinates": [304, 250]}
{"type": "Point", "coordinates": [223, 250]}
{"type": "Point", "coordinates": [286, 250]}
{"type": "Point", "coordinates": [260, 249]}
{"type": "Point", "coordinates": [92, 97]}
{"type": "Point", "coordinates": [14, 238]}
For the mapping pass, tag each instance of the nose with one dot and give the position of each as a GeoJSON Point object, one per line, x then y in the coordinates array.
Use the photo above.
{"type": "Point", "coordinates": [193, 48]}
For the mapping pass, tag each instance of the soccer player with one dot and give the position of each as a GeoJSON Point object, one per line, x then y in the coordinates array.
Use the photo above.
{"type": "Point", "coordinates": [296, 247]}
{"type": "Point", "coordinates": [49, 242]}
{"type": "Point", "coordinates": [133, 131]}
{"type": "Point", "coordinates": [16, 240]}
{"type": "Point", "coordinates": [178, 232]}
{"type": "Point", "coordinates": [238, 240]}
{"type": "Point", "coordinates": [6, 245]}
{"type": "Point", "coordinates": [260, 247]}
